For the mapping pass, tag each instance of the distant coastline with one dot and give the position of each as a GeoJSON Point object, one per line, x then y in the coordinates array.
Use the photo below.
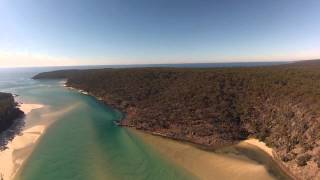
{"type": "Point", "coordinates": [145, 95]}
{"type": "Point", "coordinates": [174, 65]}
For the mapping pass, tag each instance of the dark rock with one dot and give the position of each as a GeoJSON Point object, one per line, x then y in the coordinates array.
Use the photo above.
{"type": "Point", "coordinates": [303, 159]}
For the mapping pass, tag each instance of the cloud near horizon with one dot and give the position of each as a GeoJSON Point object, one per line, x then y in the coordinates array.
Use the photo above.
{"type": "Point", "coordinates": [28, 59]}
{"type": "Point", "coordinates": [22, 59]}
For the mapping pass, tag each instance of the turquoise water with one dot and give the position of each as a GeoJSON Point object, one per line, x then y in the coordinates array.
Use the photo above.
{"type": "Point", "coordinates": [83, 143]}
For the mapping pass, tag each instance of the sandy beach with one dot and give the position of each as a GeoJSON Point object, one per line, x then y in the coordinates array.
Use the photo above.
{"type": "Point", "coordinates": [20, 147]}
{"type": "Point", "coordinates": [259, 144]}
{"type": "Point", "coordinates": [228, 164]}
{"type": "Point", "coordinates": [202, 164]}
{"type": "Point", "coordinates": [27, 108]}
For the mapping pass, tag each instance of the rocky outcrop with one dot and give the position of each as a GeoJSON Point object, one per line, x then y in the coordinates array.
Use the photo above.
{"type": "Point", "coordinates": [279, 105]}
{"type": "Point", "coordinates": [9, 111]}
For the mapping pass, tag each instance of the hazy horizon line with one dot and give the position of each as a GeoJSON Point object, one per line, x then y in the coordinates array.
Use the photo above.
{"type": "Point", "coordinates": [141, 64]}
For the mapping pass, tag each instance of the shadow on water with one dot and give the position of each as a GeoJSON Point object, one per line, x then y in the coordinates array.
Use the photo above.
{"type": "Point", "coordinates": [9, 134]}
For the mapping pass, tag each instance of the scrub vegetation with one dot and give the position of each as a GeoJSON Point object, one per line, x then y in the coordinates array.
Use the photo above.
{"type": "Point", "coordinates": [280, 105]}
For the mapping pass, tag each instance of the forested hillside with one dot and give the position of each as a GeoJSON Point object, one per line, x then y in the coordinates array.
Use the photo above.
{"type": "Point", "coordinates": [279, 105]}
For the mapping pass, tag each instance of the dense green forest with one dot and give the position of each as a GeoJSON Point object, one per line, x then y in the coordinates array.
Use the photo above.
{"type": "Point", "coordinates": [8, 111]}
{"type": "Point", "coordinates": [279, 105]}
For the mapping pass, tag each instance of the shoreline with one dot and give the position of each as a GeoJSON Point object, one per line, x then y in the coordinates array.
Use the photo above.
{"type": "Point", "coordinates": [270, 152]}
{"type": "Point", "coordinates": [244, 143]}
{"type": "Point", "coordinates": [225, 162]}
{"type": "Point", "coordinates": [27, 108]}
{"type": "Point", "coordinates": [251, 141]}
{"type": "Point", "coordinates": [48, 118]}
{"type": "Point", "coordinates": [20, 148]}
{"type": "Point", "coordinates": [259, 144]}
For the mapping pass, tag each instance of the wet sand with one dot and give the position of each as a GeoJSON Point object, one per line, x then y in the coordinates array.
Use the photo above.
{"type": "Point", "coordinates": [21, 147]}
{"type": "Point", "coordinates": [27, 108]}
{"type": "Point", "coordinates": [227, 163]}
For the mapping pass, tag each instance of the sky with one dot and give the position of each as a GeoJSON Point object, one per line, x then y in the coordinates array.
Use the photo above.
{"type": "Point", "coordinates": [102, 32]}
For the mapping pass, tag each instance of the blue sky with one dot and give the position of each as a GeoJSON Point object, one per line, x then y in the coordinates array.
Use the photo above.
{"type": "Point", "coordinates": [78, 32]}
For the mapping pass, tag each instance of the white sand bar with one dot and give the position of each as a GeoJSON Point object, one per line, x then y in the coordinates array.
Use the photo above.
{"type": "Point", "coordinates": [18, 150]}
{"type": "Point", "coordinates": [27, 108]}
{"type": "Point", "coordinates": [259, 144]}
